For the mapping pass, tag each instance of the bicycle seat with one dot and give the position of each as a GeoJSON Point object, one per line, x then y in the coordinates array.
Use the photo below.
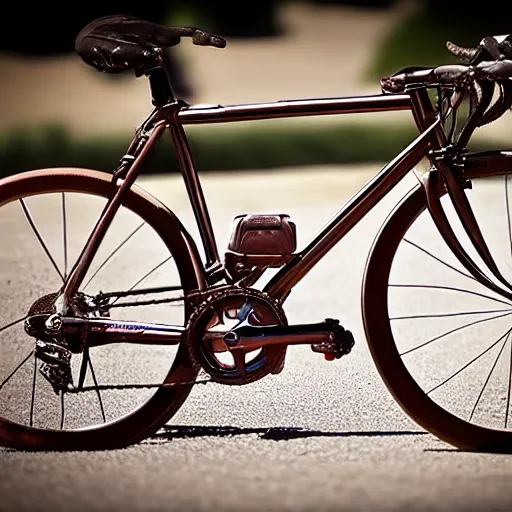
{"type": "Point", "coordinates": [117, 43]}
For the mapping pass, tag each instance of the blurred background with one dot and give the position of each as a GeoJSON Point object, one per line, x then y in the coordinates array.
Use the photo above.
{"type": "Point", "coordinates": [56, 111]}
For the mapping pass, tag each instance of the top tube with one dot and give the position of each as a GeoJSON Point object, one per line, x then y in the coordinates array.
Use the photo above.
{"type": "Point", "coordinates": [294, 108]}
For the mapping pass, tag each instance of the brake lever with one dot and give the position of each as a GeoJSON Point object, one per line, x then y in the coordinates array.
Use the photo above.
{"type": "Point", "coordinates": [493, 70]}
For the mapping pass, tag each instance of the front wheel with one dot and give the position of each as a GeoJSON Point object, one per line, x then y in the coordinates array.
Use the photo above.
{"type": "Point", "coordinates": [442, 341]}
{"type": "Point", "coordinates": [45, 219]}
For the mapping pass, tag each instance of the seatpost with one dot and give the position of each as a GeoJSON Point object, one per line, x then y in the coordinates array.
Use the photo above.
{"type": "Point", "coordinates": [161, 90]}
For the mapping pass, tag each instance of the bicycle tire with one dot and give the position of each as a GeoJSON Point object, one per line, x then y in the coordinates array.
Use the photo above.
{"type": "Point", "coordinates": [165, 402]}
{"type": "Point", "coordinates": [397, 377]}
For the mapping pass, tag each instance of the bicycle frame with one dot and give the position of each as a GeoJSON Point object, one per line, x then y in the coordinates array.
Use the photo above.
{"type": "Point", "coordinates": [174, 116]}
{"type": "Point", "coordinates": [230, 326]}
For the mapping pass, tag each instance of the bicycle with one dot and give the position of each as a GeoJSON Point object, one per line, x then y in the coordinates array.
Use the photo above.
{"type": "Point", "coordinates": [217, 319]}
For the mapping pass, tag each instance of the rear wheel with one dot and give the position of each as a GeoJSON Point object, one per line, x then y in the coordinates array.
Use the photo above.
{"type": "Point", "coordinates": [45, 219]}
{"type": "Point", "coordinates": [441, 340]}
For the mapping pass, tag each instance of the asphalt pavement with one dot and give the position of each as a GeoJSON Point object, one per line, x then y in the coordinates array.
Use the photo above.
{"type": "Point", "coordinates": [321, 436]}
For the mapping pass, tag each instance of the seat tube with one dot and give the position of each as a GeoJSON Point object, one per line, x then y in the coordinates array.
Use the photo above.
{"type": "Point", "coordinates": [194, 189]}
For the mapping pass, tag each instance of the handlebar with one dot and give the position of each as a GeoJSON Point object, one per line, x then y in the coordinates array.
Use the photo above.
{"type": "Point", "coordinates": [457, 75]}
{"type": "Point", "coordinates": [482, 70]}
{"type": "Point", "coordinates": [491, 60]}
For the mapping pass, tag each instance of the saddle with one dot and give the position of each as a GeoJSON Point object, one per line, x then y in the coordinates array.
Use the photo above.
{"type": "Point", "coordinates": [120, 42]}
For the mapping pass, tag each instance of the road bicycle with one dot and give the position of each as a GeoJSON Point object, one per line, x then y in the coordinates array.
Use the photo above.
{"type": "Point", "coordinates": [112, 313]}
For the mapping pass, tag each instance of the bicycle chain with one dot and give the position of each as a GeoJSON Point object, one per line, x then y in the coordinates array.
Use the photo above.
{"type": "Point", "coordinates": [145, 302]}
{"type": "Point", "coordinates": [108, 387]}
{"type": "Point", "coordinates": [200, 307]}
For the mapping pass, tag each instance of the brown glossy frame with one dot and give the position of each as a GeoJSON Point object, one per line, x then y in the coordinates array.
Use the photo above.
{"type": "Point", "coordinates": [175, 115]}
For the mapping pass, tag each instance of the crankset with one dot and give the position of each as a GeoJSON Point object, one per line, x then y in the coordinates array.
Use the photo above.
{"type": "Point", "coordinates": [328, 337]}
{"type": "Point", "coordinates": [240, 335]}
{"type": "Point", "coordinates": [219, 313]}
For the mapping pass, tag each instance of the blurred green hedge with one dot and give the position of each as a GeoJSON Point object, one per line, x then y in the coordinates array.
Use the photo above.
{"type": "Point", "coordinates": [420, 40]}
{"type": "Point", "coordinates": [229, 149]}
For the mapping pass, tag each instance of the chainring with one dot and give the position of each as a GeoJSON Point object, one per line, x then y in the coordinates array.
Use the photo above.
{"type": "Point", "coordinates": [213, 312]}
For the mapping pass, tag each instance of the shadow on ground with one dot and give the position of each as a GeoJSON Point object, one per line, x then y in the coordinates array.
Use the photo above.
{"type": "Point", "coordinates": [170, 432]}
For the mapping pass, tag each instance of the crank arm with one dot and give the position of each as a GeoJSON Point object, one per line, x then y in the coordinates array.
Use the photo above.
{"type": "Point", "coordinates": [228, 341]}
{"type": "Point", "coordinates": [326, 337]}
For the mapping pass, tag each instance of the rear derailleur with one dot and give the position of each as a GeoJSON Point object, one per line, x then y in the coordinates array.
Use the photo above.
{"type": "Point", "coordinates": [52, 348]}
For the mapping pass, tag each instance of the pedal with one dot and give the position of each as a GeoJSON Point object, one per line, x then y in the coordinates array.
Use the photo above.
{"type": "Point", "coordinates": [339, 345]}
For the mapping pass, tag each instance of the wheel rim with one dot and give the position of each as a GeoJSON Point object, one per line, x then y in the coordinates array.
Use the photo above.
{"type": "Point", "coordinates": [40, 414]}
{"type": "Point", "coordinates": [449, 371]}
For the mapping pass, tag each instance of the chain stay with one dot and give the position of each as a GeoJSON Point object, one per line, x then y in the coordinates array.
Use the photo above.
{"type": "Point", "coordinates": [117, 295]}
{"type": "Point", "coordinates": [201, 300]}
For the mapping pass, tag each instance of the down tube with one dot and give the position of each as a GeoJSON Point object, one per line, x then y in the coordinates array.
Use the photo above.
{"type": "Point", "coordinates": [287, 277]}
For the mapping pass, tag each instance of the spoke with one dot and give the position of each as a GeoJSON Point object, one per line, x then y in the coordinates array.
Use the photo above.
{"type": "Point", "coordinates": [97, 389]}
{"type": "Point", "coordinates": [39, 237]}
{"type": "Point", "coordinates": [439, 260]}
{"type": "Point", "coordinates": [509, 386]}
{"type": "Point", "coordinates": [12, 323]}
{"type": "Point", "coordinates": [83, 367]}
{"type": "Point", "coordinates": [507, 205]}
{"type": "Point", "coordinates": [447, 333]}
{"type": "Point", "coordinates": [62, 410]}
{"type": "Point", "coordinates": [450, 288]}
{"type": "Point", "coordinates": [150, 272]}
{"type": "Point", "coordinates": [469, 363]}
{"type": "Point", "coordinates": [145, 276]}
{"type": "Point", "coordinates": [443, 315]}
{"type": "Point", "coordinates": [111, 255]}
{"type": "Point", "coordinates": [11, 375]}
{"type": "Point", "coordinates": [64, 235]}
{"type": "Point", "coordinates": [33, 391]}
{"type": "Point", "coordinates": [488, 378]}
